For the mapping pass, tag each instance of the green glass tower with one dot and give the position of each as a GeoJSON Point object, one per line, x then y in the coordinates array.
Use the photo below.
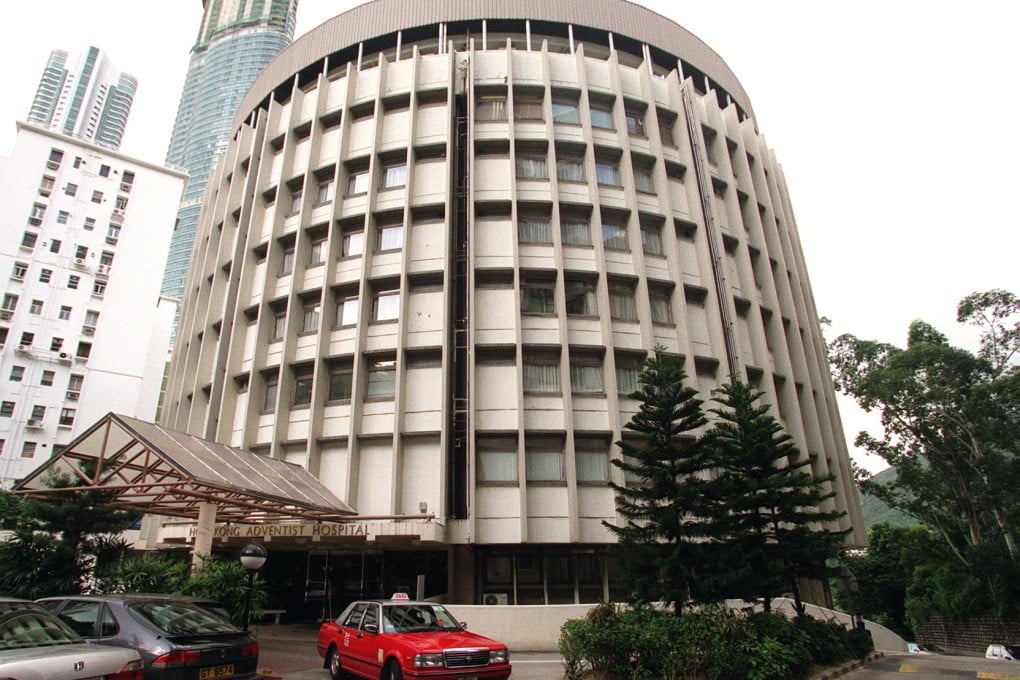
{"type": "Point", "coordinates": [236, 40]}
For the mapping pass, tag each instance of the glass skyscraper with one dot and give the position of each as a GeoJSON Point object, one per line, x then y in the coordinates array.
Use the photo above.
{"type": "Point", "coordinates": [235, 42]}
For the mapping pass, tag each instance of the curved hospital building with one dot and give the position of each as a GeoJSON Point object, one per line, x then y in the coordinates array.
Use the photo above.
{"type": "Point", "coordinates": [442, 240]}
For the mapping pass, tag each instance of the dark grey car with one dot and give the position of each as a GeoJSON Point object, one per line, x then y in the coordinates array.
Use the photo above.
{"type": "Point", "coordinates": [178, 638]}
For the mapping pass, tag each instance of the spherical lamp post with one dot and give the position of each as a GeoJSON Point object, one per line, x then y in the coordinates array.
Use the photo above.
{"type": "Point", "coordinates": [253, 556]}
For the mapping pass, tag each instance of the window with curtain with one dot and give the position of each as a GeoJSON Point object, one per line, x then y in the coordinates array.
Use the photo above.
{"type": "Point", "coordinates": [662, 308]}
{"type": "Point", "coordinates": [602, 115]}
{"type": "Point", "coordinates": [317, 251]}
{"type": "Point", "coordinates": [580, 296]}
{"type": "Point", "coordinates": [347, 311]}
{"type": "Point", "coordinates": [607, 172]}
{"type": "Point", "coordinates": [325, 190]}
{"type": "Point", "coordinates": [651, 239]}
{"type": "Point", "coordinates": [302, 390]}
{"type": "Point", "coordinates": [279, 325]}
{"type": "Point", "coordinates": [391, 236]}
{"type": "Point", "coordinates": [541, 374]}
{"type": "Point", "coordinates": [490, 108]}
{"type": "Point", "coordinates": [382, 379]}
{"type": "Point", "coordinates": [386, 305]}
{"type": "Point", "coordinates": [586, 376]}
{"type": "Point", "coordinates": [269, 400]}
{"type": "Point", "coordinates": [666, 130]}
{"type": "Point", "coordinates": [628, 370]}
{"type": "Point", "coordinates": [497, 459]}
{"type": "Point", "coordinates": [643, 178]}
{"type": "Point", "coordinates": [530, 166]}
{"type": "Point", "coordinates": [621, 302]}
{"type": "Point", "coordinates": [310, 322]}
{"type": "Point", "coordinates": [575, 231]}
{"type": "Point", "coordinates": [527, 106]}
{"type": "Point", "coordinates": [570, 168]}
{"type": "Point", "coordinates": [614, 236]}
{"type": "Point", "coordinates": [340, 383]}
{"type": "Point", "coordinates": [288, 261]}
{"type": "Point", "coordinates": [565, 110]}
{"type": "Point", "coordinates": [543, 464]}
{"type": "Point", "coordinates": [591, 458]}
{"type": "Point", "coordinates": [537, 297]}
{"type": "Point", "coordinates": [635, 121]}
{"type": "Point", "coordinates": [352, 243]}
{"type": "Point", "coordinates": [394, 175]}
{"type": "Point", "coordinates": [533, 229]}
{"type": "Point", "coordinates": [357, 182]}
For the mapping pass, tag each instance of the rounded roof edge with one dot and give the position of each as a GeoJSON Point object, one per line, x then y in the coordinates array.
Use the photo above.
{"type": "Point", "coordinates": [381, 17]}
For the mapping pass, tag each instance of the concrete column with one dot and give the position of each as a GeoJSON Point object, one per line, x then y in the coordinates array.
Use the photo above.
{"type": "Point", "coordinates": [203, 533]}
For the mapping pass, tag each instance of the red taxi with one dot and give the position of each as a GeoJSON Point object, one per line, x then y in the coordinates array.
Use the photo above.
{"type": "Point", "coordinates": [397, 638]}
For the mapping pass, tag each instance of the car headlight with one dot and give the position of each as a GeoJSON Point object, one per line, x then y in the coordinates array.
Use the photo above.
{"type": "Point", "coordinates": [499, 656]}
{"type": "Point", "coordinates": [429, 661]}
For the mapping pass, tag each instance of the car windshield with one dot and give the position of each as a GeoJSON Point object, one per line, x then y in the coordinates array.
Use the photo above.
{"type": "Point", "coordinates": [29, 625]}
{"type": "Point", "coordinates": [181, 618]}
{"type": "Point", "coordinates": [418, 617]}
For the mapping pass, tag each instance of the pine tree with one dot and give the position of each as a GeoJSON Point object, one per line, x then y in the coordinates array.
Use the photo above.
{"type": "Point", "coordinates": [774, 525]}
{"type": "Point", "coordinates": [662, 507]}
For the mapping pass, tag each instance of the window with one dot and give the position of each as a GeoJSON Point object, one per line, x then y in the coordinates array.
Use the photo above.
{"type": "Point", "coordinates": [651, 239]}
{"type": "Point", "coordinates": [27, 338]}
{"type": "Point", "coordinates": [38, 412]}
{"type": "Point", "coordinates": [347, 311]}
{"type": "Point", "coordinates": [352, 241]}
{"type": "Point", "coordinates": [35, 307]}
{"type": "Point", "coordinates": [6, 409]}
{"type": "Point", "coordinates": [531, 165]}
{"type": "Point", "coordinates": [105, 260]}
{"type": "Point", "coordinates": [56, 156]}
{"type": "Point", "coordinates": [497, 459]}
{"type": "Point", "coordinates": [66, 417]}
{"type": "Point", "coordinates": [75, 382]}
{"type": "Point", "coordinates": [78, 161]}
{"type": "Point", "coordinates": [63, 216]}
{"type": "Point", "coordinates": [317, 253]}
{"type": "Point", "coordinates": [113, 233]}
{"type": "Point", "coordinates": [391, 236]}
{"type": "Point", "coordinates": [17, 373]}
{"type": "Point", "coordinates": [47, 378]}
{"type": "Point", "coordinates": [666, 129]}
{"type": "Point", "coordinates": [90, 223]}
{"type": "Point", "coordinates": [537, 297]}
{"type": "Point", "coordinates": [533, 229]}
{"type": "Point", "coordinates": [635, 121]}
{"type": "Point", "coordinates": [279, 325]}
{"type": "Point", "coordinates": [121, 203]}
{"type": "Point", "coordinates": [591, 457]}
{"type": "Point", "coordinates": [394, 175]}
{"type": "Point", "coordinates": [357, 182]}
{"type": "Point", "coordinates": [382, 379]}
{"type": "Point", "coordinates": [19, 271]}
{"type": "Point", "coordinates": [104, 170]}
{"type": "Point", "coordinates": [386, 305]}
{"type": "Point", "coordinates": [126, 180]}
{"type": "Point", "coordinates": [490, 107]}
{"type": "Point", "coordinates": [28, 240]}
{"type": "Point", "coordinates": [287, 267]}
{"type": "Point", "coordinates": [97, 196]}
{"type": "Point", "coordinates": [46, 185]}
{"type": "Point", "coordinates": [296, 194]}
{"type": "Point", "coordinates": [575, 231]}
{"type": "Point", "coordinates": [65, 312]}
{"type": "Point", "coordinates": [602, 115]}
{"type": "Point", "coordinates": [28, 449]}
{"type": "Point", "coordinates": [569, 167]}
{"type": "Point", "coordinates": [528, 106]}
{"type": "Point", "coordinates": [661, 303]}
{"type": "Point", "coordinates": [643, 177]}
{"type": "Point", "coordinates": [72, 281]}
{"type": "Point", "coordinates": [10, 302]}
{"type": "Point", "coordinates": [542, 373]}
{"type": "Point", "coordinates": [84, 350]}
{"type": "Point", "coordinates": [81, 252]}
{"type": "Point", "coordinates": [91, 318]}
{"type": "Point", "coordinates": [340, 384]}
{"type": "Point", "coordinates": [269, 400]}
{"type": "Point", "coordinates": [586, 375]}
{"type": "Point", "coordinates": [709, 134]}
{"type": "Point", "coordinates": [310, 321]}
{"type": "Point", "coordinates": [621, 302]}
{"type": "Point", "coordinates": [71, 189]}
{"type": "Point", "coordinates": [99, 288]}
{"type": "Point", "coordinates": [564, 110]}
{"type": "Point", "coordinates": [580, 296]}
{"type": "Point", "coordinates": [614, 235]}
{"type": "Point", "coordinates": [607, 171]}
{"type": "Point", "coordinates": [324, 194]}
{"type": "Point", "coordinates": [543, 460]}
{"type": "Point", "coordinates": [303, 389]}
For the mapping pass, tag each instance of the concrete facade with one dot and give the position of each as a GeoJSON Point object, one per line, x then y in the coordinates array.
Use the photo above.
{"type": "Point", "coordinates": [83, 328]}
{"type": "Point", "coordinates": [433, 259]}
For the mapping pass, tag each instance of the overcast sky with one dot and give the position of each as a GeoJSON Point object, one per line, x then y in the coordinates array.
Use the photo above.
{"type": "Point", "coordinates": [893, 120]}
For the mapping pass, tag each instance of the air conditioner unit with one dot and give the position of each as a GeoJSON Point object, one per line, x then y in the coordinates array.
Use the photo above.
{"type": "Point", "coordinates": [495, 598]}
{"type": "Point", "coordinates": [65, 358]}
{"type": "Point", "coordinates": [112, 240]}
{"type": "Point", "coordinates": [125, 187]}
{"type": "Point", "coordinates": [88, 330]}
{"type": "Point", "coordinates": [34, 423]}
{"type": "Point", "coordinates": [79, 261]}
{"type": "Point", "coordinates": [119, 212]}
{"type": "Point", "coordinates": [72, 395]}
{"type": "Point", "coordinates": [5, 314]}
{"type": "Point", "coordinates": [24, 349]}
{"type": "Point", "coordinates": [104, 270]}
{"type": "Point", "coordinates": [35, 221]}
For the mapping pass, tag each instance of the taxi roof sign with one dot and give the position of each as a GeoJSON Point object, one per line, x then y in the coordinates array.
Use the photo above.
{"type": "Point", "coordinates": [400, 596]}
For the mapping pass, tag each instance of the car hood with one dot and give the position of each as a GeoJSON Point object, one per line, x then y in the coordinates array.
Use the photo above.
{"type": "Point", "coordinates": [432, 641]}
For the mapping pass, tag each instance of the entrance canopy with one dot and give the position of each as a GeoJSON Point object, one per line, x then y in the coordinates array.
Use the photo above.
{"type": "Point", "coordinates": [156, 470]}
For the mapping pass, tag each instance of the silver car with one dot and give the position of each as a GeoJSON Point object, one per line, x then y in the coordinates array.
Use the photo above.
{"type": "Point", "coordinates": [36, 645]}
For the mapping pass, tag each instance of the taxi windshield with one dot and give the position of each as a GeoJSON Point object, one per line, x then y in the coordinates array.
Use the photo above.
{"type": "Point", "coordinates": [417, 617]}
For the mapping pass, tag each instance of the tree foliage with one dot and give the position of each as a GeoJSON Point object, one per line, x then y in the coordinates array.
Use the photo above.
{"type": "Point", "coordinates": [951, 424]}
{"type": "Point", "coordinates": [775, 513]}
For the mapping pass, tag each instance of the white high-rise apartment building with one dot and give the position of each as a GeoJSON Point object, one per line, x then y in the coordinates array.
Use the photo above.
{"type": "Point", "coordinates": [83, 329]}
{"type": "Point", "coordinates": [442, 240]}
{"type": "Point", "coordinates": [90, 100]}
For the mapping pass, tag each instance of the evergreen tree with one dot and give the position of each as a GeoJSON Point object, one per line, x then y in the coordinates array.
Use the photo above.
{"type": "Point", "coordinates": [663, 506]}
{"type": "Point", "coordinates": [772, 520]}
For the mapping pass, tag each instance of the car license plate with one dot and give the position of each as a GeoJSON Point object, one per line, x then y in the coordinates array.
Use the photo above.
{"type": "Point", "coordinates": [216, 672]}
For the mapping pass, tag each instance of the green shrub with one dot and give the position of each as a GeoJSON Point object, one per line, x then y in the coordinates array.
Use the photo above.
{"type": "Point", "coordinates": [860, 642]}
{"type": "Point", "coordinates": [827, 641]}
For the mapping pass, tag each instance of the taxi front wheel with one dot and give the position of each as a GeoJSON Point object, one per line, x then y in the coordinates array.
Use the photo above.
{"type": "Point", "coordinates": [392, 671]}
{"type": "Point", "coordinates": [336, 671]}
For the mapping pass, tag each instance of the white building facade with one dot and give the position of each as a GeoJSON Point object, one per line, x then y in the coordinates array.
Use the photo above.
{"type": "Point", "coordinates": [441, 242]}
{"type": "Point", "coordinates": [82, 324]}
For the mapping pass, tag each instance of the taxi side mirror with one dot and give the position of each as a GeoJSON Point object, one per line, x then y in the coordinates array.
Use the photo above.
{"type": "Point", "coordinates": [463, 624]}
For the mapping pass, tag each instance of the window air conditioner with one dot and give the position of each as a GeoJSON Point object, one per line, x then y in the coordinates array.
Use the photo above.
{"type": "Point", "coordinates": [24, 349]}
{"type": "Point", "coordinates": [72, 395]}
{"type": "Point", "coordinates": [104, 269]}
{"type": "Point", "coordinates": [5, 314]}
{"type": "Point", "coordinates": [88, 330]}
{"type": "Point", "coordinates": [80, 261]}
{"type": "Point", "coordinates": [33, 423]}
{"type": "Point", "coordinates": [495, 598]}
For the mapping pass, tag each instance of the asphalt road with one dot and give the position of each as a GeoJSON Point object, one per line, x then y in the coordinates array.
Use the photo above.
{"type": "Point", "coordinates": [936, 667]}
